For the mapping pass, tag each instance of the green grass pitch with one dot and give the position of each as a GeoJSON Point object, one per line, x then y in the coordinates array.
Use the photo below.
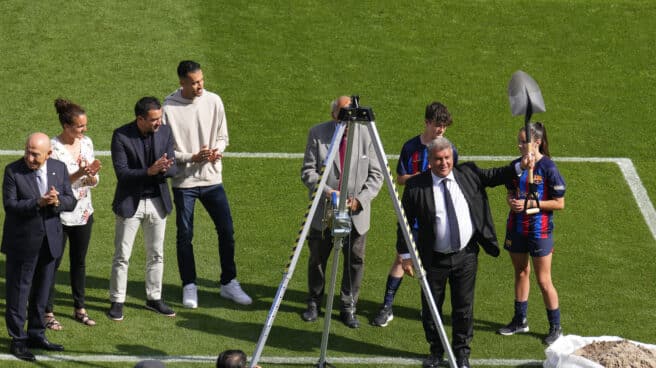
{"type": "Point", "coordinates": [277, 65]}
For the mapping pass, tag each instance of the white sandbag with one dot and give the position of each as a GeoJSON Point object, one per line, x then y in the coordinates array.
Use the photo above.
{"type": "Point", "coordinates": [560, 354]}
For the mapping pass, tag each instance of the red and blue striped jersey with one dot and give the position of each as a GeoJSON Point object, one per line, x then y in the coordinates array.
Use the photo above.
{"type": "Point", "coordinates": [414, 157]}
{"type": "Point", "coordinates": [549, 185]}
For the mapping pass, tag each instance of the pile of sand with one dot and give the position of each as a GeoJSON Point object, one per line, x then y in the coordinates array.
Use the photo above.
{"type": "Point", "coordinates": [618, 354]}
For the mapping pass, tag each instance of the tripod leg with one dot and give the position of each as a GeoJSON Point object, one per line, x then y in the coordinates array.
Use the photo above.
{"type": "Point", "coordinates": [338, 243]}
{"type": "Point", "coordinates": [317, 194]}
{"type": "Point", "coordinates": [407, 235]}
{"type": "Point", "coordinates": [337, 247]}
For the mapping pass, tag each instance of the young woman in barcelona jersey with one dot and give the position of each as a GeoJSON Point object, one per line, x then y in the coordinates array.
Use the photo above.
{"type": "Point", "coordinates": [529, 236]}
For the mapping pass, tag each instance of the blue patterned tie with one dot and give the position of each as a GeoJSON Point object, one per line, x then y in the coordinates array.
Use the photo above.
{"type": "Point", "coordinates": [452, 219]}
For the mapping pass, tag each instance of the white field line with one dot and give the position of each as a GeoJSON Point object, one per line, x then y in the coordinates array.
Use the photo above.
{"type": "Point", "coordinates": [263, 360]}
{"type": "Point", "coordinates": [625, 164]}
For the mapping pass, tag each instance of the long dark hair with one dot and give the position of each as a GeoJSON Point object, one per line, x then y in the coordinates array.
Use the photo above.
{"type": "Point", "coordinates": [539, 131]}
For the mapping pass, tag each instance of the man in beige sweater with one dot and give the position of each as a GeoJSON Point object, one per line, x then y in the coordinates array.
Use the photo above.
{"type": "Point", "coordinates": [200, 131]}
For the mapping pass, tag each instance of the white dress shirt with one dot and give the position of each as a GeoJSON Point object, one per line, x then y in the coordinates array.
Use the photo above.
{"type": "Point", "coordinates": [462, 213]}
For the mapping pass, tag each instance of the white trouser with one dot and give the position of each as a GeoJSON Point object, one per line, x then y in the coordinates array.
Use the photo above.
{"type": "Point", "coordinates": [152, 218]}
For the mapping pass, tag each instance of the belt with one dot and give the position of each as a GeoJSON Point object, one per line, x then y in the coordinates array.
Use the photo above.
{"type": "Point", "coordinates": [471, 244]}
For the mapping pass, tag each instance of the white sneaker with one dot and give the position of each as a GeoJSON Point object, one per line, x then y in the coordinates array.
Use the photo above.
{"type": "Point", "coordinates": [233, 291]}
{"type": "Point", "coordinates": [190, 296]}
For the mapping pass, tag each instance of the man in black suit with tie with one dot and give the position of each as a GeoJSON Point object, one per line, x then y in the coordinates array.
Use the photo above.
{"type": "Point", "coordinates": [35, 190]}
{"type": "Point", "coordinates": [451, 207]}
{"type": "Point", "coordinates": [143, 158]}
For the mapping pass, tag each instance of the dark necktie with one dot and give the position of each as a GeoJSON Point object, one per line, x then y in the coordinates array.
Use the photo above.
{"type": "Point", "coordinates": [342, 151]}
{"type": "Point", "coordinates": [342, 155]}
{"type": "Point", "coordinates": [452, 219]}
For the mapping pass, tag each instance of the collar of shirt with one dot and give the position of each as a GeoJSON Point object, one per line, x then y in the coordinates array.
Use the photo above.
{"type": "Point", "coordinates": [43, 170]}
{"type": "Point", "coordinates": [437, 180]}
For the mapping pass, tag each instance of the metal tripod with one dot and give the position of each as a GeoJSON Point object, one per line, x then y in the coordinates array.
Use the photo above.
{"type": "Point", "coordinates": [341, 228]}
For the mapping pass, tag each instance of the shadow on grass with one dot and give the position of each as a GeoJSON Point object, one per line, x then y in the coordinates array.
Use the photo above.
{"type": "Point", "coordinates": [284, 337]}
{"type": "Point", "coordinates": [208, 295]}
{"type": "Point", "coordinates": [293, 303]}
{"type": "Point", "coordinates": [493, 326]}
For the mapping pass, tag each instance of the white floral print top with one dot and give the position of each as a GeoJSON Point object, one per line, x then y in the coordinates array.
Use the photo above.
{"type": "Point", "coordinates": [80, 215]}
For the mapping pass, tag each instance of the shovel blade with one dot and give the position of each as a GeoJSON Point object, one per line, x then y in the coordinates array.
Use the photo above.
{"type": "Point", "coordinates": [523, 92]}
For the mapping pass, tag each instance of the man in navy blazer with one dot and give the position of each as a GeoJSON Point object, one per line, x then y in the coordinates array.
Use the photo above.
{"type": "Point", "coordinates": [446, 258]}
{"type": "Point", "coordinates": [143, 158]}
{"type": "Point", "coordinates": [35, 190]}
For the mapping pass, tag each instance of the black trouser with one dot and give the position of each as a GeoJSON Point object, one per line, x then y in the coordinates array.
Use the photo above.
{"type": "Point", "coordinates": [460, 270]}
{"type": "Point", "coordinates": [28, 282]}
{"type": "Point", "coordinates": [321, 245]}
{"type": "Point", "coordinates": [79, 237]}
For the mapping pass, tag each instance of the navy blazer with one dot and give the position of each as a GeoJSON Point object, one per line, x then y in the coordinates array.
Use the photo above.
{"type": "Point", "coordinates": [26, 224]}
{"type": "Point", "coordinates": [419, 203]}
{"type": "Point", "coordinates": [131, 167]}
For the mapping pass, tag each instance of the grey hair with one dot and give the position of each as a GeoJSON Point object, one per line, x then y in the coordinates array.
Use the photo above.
{"type": "Point", "coordinates": [439, 144]}
{"type": "Point", "coordinates": [333, 106]}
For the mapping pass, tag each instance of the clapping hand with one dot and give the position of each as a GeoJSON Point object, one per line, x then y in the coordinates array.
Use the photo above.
{"type": "Point", "coordinates": [207, 155]}
{"type": "Point", "coordinates": [161, 165]}
{"type": "Point", "coordinates": [51, 198]}
{"type": "Point", "coordinates": [93, 168]}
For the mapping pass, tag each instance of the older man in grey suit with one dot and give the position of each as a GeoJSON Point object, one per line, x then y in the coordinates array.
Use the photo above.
{"type": "Point", "coordinates": [365, 180]}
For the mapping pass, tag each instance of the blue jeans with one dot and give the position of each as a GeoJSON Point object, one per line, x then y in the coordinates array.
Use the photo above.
{"type": "Point", "coordinates": [215, 201]}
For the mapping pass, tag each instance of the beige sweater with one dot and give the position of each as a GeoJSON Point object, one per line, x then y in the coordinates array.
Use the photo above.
{"type": "Point", "coordinates": [195, 123]}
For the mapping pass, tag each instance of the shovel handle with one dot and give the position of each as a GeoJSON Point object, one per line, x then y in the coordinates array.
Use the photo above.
{"type": "Point", "coordinates": [531, 193]}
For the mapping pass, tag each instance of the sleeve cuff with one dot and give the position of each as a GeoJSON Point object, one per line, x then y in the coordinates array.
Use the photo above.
{"type": "Point", "coordinates": [518, 169]}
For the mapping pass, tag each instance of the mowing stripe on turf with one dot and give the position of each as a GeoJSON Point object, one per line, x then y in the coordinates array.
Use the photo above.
{"type": "Point", "coordinates": [625, 164]}
{"type": "Point", "coordinates": [106, 358]}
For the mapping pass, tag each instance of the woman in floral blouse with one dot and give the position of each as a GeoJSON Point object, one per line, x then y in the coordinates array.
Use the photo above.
{"type": "Point", "coordinates": [75, 149]}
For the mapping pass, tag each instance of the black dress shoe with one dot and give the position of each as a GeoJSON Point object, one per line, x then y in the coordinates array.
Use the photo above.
{"type": "Point", "coordinates": [19, 350]}
{"type": "Point", "coordinates": [463, 362]}
{"type": "Point", "coordinates": [43, 343]}
{"type": "Point", "coordinates": [311, 313]}
{"type": "Point", "coordinates": [434, 360]}
{"type": "Point", "coordinates": [349, 319]}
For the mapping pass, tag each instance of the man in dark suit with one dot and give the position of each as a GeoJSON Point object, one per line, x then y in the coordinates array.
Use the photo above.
{"type": "Point", "coordinates": [451, 208]}
{"type": "Point", "coordinates": [143, 158]}
{"type": "Point", "coordinates": [35, 190]}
